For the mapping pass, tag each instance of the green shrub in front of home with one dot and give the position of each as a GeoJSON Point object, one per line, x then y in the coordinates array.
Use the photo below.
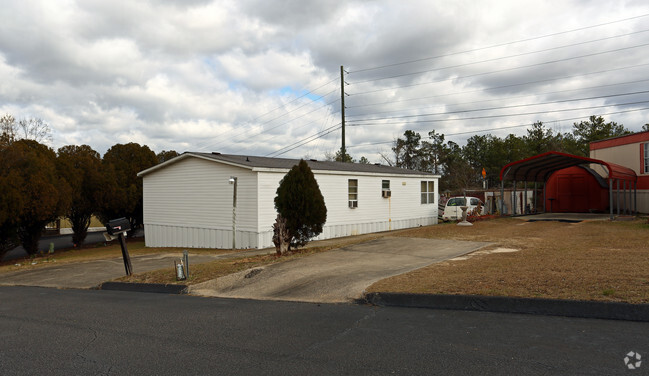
{"type": "Point", "coordinates": [301, 204]}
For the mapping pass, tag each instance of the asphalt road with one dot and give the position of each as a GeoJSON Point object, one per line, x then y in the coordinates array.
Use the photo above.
{"type": "Point", "coordinates": [63, 332]}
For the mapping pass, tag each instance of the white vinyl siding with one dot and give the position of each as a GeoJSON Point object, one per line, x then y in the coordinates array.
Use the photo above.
{"type": "Point", "coordinates": [193, 194]}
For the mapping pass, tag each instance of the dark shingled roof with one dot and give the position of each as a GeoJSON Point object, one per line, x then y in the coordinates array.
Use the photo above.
{"type": "Point", "coordinates": [285, 163]}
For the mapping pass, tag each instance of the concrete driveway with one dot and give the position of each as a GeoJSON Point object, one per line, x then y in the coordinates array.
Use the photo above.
{"type": "Point", "coordinates": [335, 276]}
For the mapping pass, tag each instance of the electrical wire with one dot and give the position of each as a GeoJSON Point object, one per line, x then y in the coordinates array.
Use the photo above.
{"type": "Point", "coordinates": [498, 99]}
{"type": "Point", "coordinates": [506, 107]}
{"type": "Point", "coordinates": [502, 128]}
{"type": "Point", "coordinates": [502, 86]}
{"type": "Point", "coordinates": [504, 70]}
{"type": "Point", "coordinates": [496, 59]}
{"type": "Point", "coordinates": [498, 45]}
{"type": "Point", "coordinates": [276, 126]}
{"type": "Point", "coordinates": [304, 141]}
{"type": "Point", "coordinates": [266, 140]}
{"type": "Point", "coordinates": [204, 145]}
{"type": "Point", "coordinates": [505, 115]}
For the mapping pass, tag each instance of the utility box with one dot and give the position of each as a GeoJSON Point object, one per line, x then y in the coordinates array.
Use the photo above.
{"type": "Point", "coordinates": [118, 226]}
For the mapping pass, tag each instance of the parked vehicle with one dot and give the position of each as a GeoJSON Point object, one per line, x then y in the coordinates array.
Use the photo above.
{"type": "Point", "coordinates": [452, 209]}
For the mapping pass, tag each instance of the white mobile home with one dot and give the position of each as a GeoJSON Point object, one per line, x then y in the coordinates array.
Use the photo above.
{"type": "Point", "coordinates": [188, 200]}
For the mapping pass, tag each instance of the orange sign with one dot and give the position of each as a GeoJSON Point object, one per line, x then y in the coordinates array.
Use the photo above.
{"type": "Point", "coordinates": [484, 173]}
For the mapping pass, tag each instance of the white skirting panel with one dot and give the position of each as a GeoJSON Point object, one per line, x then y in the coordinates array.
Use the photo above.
{"type": "Point", "coordinates": [338, 231]}
{"type": "Point", "coordinates": [194, 237]}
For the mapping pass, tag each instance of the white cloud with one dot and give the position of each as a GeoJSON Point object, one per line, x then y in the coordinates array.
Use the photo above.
{"type": "Point", "coordinates": [231, 75]}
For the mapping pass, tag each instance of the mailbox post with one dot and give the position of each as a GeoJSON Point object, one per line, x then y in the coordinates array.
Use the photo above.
{"type": "Point", "coordinates": [118, 227]}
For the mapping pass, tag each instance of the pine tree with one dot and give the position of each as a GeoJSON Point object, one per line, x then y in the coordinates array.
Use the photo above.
{"type": "Point", "coordinates": [300, 202]}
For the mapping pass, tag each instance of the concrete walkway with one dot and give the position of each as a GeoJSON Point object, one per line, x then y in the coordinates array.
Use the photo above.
{"type": "Point", "coordinates": [335, 276]}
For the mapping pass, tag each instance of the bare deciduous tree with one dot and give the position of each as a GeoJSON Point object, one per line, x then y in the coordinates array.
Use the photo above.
{"type": "Point", "coordinates": [26, 129]}
{"type": "Point", "coordinates": [35, 129]}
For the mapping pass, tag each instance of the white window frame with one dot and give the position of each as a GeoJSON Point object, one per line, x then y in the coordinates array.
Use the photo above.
{"type": "Point", "coordinates": [427, 188]}
{"type": "Point", "coordinates": [352, 193]}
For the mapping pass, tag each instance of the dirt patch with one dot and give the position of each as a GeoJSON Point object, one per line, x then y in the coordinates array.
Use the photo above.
{"type": "Point", "coordinates": [604, 261]}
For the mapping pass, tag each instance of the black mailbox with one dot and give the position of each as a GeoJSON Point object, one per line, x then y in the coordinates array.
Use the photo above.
{"type": "Point", "coordinates": [117, 226]}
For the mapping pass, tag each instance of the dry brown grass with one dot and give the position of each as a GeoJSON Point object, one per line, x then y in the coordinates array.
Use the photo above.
{"type": "Point", "coordinates": [605, 261]}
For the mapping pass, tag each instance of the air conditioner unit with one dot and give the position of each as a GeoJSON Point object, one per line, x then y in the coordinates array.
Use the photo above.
{"type": "Point", "coordinates": [386, 193]}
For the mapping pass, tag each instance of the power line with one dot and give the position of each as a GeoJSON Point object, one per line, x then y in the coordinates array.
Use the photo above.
{"type": "Point", "coordinates": [498, 45]}
{"type": "Point", "coordinates": [305, 141]}
{"type": "Point", "coordinates": [505, 115]}
{"type": "Point", "coordinates": [276, 126]}
{"type": "Point", "coordinates": [505, 86]}
{"type": "Point", "coordinates": [505, 127]}
{"type": "Point", "coordinates": [312, 91]}
{"type": "Point", "coordinates": [330, 114]}
{"type": "Point", "coordinates": [491, 100]}
{"type": "Point", "coordinates": [507, 107]}
{"type": "Point", "coordinates": [329, 119]}
{"type": "Point", "coordinates": [504, 70]}
{"type": "Point", "coordinates": [497, 58]}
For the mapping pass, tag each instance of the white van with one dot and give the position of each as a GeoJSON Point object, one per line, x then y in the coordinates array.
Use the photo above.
{"type": "Point", "coordinates": [452, 209]}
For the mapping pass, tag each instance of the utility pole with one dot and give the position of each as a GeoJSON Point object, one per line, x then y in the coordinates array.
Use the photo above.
{"type": "Point", "coordinates": [343, 152]}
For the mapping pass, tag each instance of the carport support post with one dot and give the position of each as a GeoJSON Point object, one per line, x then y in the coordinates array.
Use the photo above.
{"type": "Point", "coordinates": [623, 197]}
{"type": "Point", "coordinates": [610, 198]}
{"type": "Point", "coordinates": [629, 205]}
{"type": "Point", "coordinates": [618, 196]}
{"type": "Point", "coordinates": [536, 196]}
{"type": "Point", "coordinates": [514, 205]}
{"type": "Point", "coordinates": [544, 197]}
{"type": "Point", "coordinates": [502, 197]}
{"type": "Point", "coordinates": [635, 197]}
{"type": "Point", "coordinates": [626, 203]}
{"type": "Point", "coordinates": [524, 199]}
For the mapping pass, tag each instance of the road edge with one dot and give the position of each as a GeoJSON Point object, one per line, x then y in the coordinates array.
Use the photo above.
{"type": "Point", "coordinates": [144, 287]}
{"type": "Point", "coordinates": [501, 304]}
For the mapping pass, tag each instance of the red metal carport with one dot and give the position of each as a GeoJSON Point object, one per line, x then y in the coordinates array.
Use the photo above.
{"type": "Point", "coordinates": [540, 167]}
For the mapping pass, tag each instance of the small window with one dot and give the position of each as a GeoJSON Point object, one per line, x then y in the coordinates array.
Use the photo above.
{"type": "Point", "coordinates": [475, 202]}
{"type": "Point", "coordinates": [646, 158]}
{"type": "Point", "coordinates": [385, 185]}
{"type": "Point", "coordinates": [427, 192]}
{"type": "Point", "coordinates": [352, 192]}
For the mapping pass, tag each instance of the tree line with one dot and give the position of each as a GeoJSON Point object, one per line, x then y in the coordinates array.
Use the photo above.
{"type": "Point", "coordinates": [40, 185]}
{"type": "Point", "coordinates": [460, 167]}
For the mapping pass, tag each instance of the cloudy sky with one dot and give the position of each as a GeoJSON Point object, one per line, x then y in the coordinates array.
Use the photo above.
{"type": "Point", "coordinates": [262, 77]}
